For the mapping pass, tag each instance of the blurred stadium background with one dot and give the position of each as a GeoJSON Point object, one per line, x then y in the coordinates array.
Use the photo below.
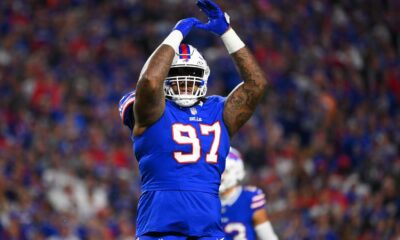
{"type": "Point", "coordinates": [324, 144]}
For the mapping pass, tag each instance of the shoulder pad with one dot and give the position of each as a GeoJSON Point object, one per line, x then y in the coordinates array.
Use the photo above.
{"type": "Point", "coordinates": [125, 108]}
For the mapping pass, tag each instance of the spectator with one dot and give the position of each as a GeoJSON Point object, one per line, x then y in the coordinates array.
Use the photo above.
{"type": "Point", "coordinates": [326, 154]}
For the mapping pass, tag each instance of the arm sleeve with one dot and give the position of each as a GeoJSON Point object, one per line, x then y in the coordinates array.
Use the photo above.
{"type": "Point", "coordinates": [265, 231]}
{"type": "Point", "coordinates": [258, 200]}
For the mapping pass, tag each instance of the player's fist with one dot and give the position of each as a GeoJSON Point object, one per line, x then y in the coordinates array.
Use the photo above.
{"type": "Point", "coordinates": [185, 25]}
{"type": "Point", "coordinates": [218, 21]}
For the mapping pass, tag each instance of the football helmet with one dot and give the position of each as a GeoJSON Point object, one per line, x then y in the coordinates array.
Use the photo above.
{"type": "Point", "coordinates": [234, 170]}
{"type": "Point", "coordinates": [187, 78]}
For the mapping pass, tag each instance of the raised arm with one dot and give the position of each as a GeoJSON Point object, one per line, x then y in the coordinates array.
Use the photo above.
{"type": "Point", "coordinates": [150, 99]}
{"type": "Point", "coordinates": [243, 100]}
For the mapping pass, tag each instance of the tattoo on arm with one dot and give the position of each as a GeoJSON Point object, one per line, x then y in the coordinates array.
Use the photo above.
{"type": "Point", "coordinates": [150, 99]}
{"type": "Point", "coordinates": [243, 100]}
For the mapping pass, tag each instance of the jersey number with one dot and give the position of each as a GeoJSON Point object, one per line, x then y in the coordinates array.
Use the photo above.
{"type": "Point", "coordinates": [238, 228]}
{"type": "Point", "coordinates": [186, 134]}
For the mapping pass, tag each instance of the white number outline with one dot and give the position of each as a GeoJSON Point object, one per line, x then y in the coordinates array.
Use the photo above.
{"type": "Point", "coordinates": [238, 227]}
{"type": "Point", "coordinates": [194, 156]}
{"type": "Point", "coordinates": [212, 155]}
{"type": "Point", "coordinates": [177, 130]}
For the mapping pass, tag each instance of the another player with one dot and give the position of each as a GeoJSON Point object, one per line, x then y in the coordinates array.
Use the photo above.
{"type": "Point", "coordinates": [181, 137]}
{"type": "Point", "coordinates": [243, 207]}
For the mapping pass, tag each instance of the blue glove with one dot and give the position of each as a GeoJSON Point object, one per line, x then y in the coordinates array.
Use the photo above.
{"type": "Point", "coordinates": [185, 25]}
{"type": "Point", "coordinates": [218, 21]}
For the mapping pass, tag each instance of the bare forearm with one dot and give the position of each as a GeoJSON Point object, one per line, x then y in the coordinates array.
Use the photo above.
{"type": "Point", "coordinates": [243, 100]}
{"type": "Point", "coordinates": [158, 67]}
{"type": "Point", "coordinates": [252, 75]}
{"type": "Point", "coordinates": [150, 96]}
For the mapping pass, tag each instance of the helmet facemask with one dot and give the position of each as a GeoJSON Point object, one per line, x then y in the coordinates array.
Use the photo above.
{"type": "Point", "coordinates": [187, 79]}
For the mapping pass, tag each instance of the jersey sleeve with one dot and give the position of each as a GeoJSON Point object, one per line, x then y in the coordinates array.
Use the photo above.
{"type": "Point", "coordinates": [217, 103]}
{"type": "Point", "coordinates": [220, 100]}
{"type": "Point", "coordinates": [257, 198]}
{"type": "Point", "coordinates": [126, 109]}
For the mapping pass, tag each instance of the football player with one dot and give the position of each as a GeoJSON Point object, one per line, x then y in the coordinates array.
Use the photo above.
{"type": "Point", "coordinates": [243, 207]}
{"type": "Point", "coordinates": [181, 136]}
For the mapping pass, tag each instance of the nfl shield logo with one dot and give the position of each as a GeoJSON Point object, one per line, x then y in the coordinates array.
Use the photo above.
{"type": "Point", "coordinates": [193, 111]}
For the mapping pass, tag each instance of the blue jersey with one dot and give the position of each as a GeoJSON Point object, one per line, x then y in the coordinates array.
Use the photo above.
{"type": "Point", "coordinates": [237, 214]}
{"type": "Point", "coordinates": [181, 159]}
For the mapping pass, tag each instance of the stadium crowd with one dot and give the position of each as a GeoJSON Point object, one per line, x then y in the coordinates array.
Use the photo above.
{"type": "Point", "coordinates": [324, 144]}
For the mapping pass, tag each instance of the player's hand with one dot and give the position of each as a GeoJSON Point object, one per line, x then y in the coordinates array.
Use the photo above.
{"type": "Point", "coordinates": [185, 25]}
{"type": "Point", "coordinates": [218, 21]}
